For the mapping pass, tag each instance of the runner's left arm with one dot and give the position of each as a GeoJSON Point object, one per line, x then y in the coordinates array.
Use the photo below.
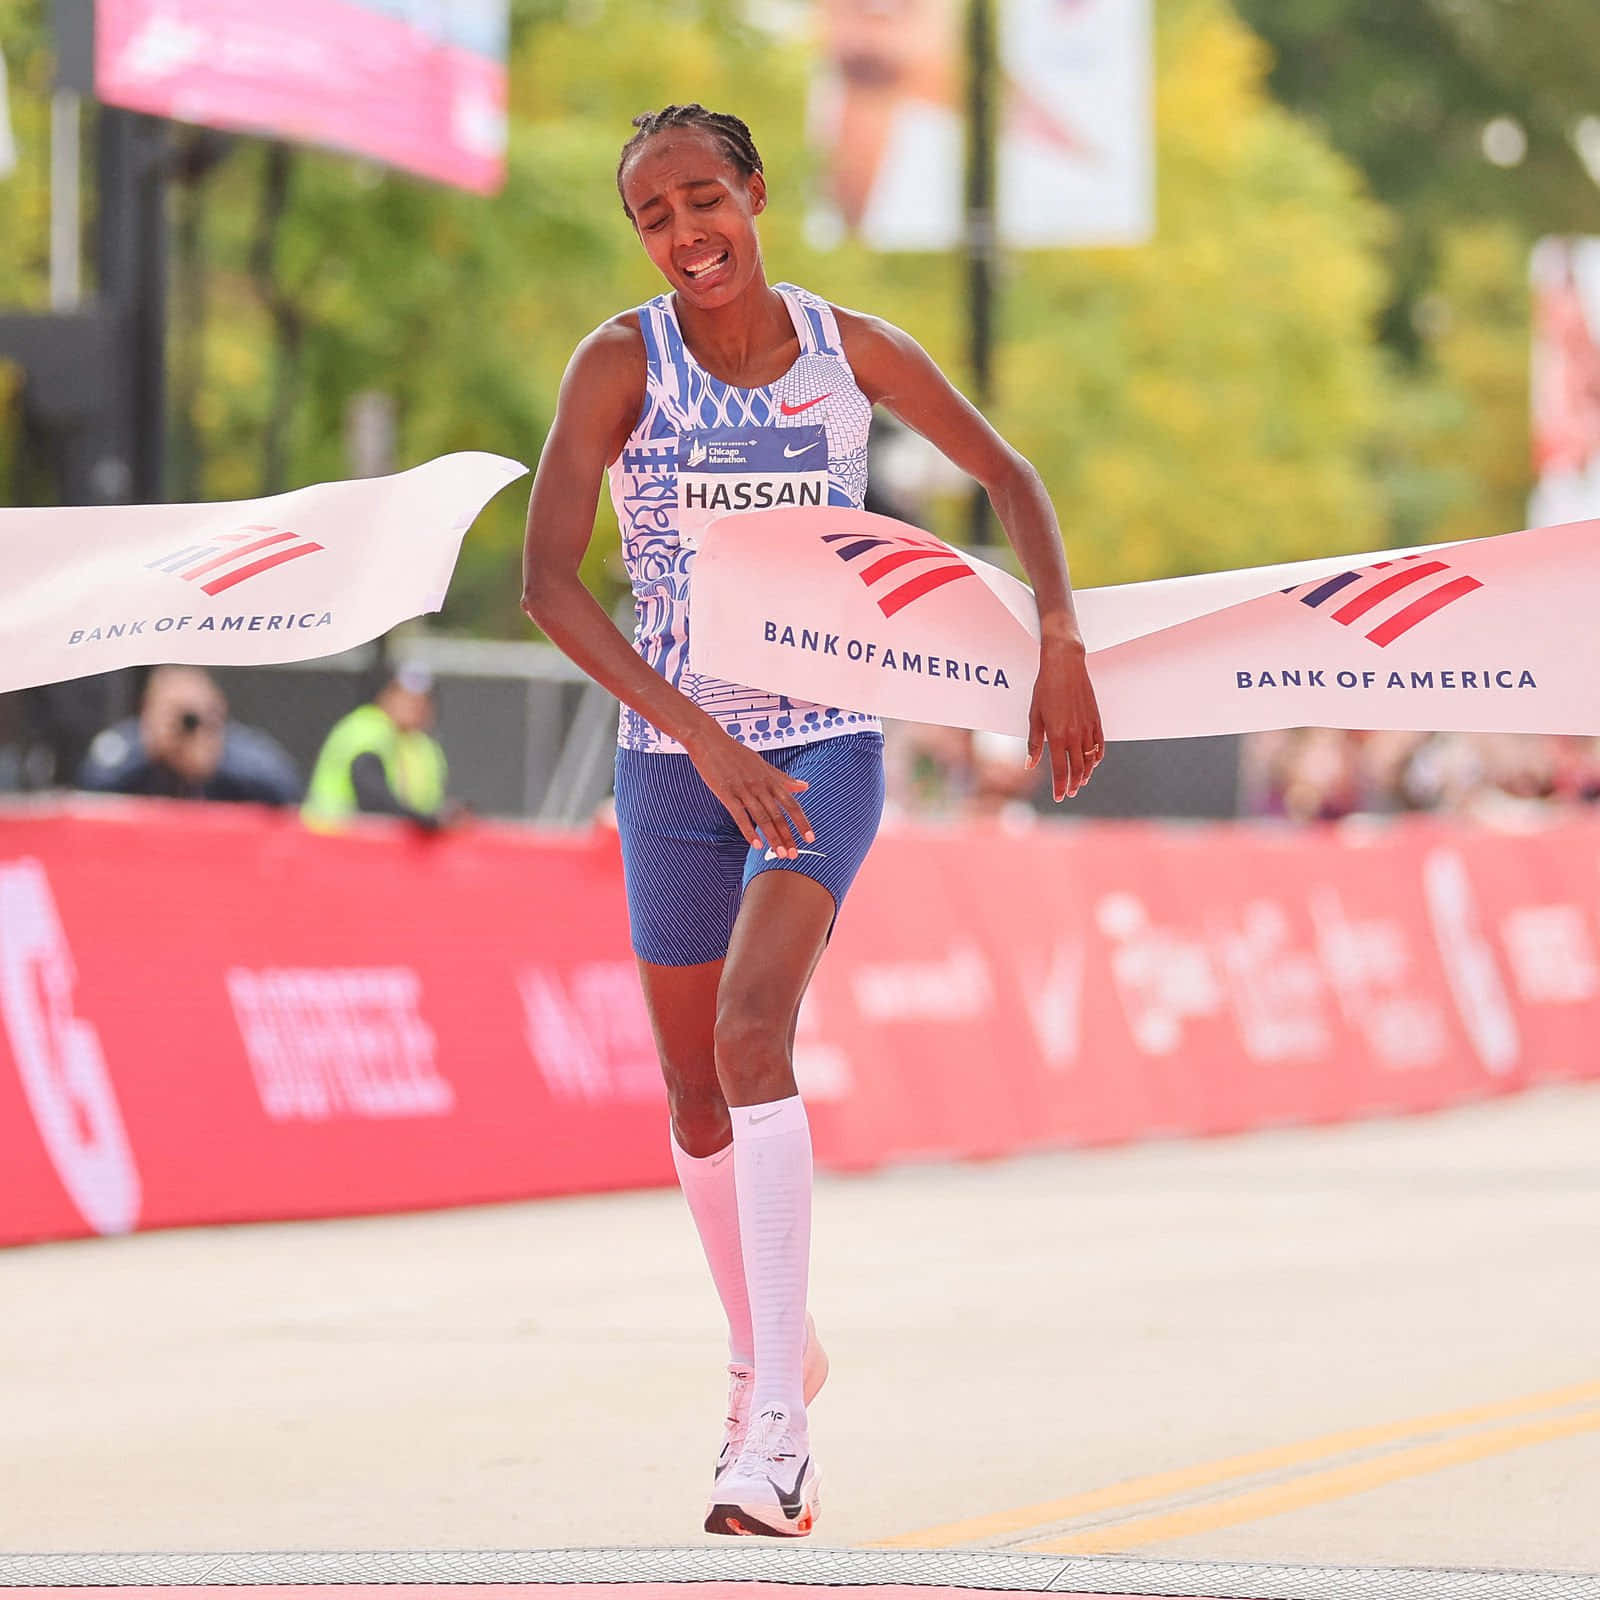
{"type": "Point", "coordinates": [894, 371]}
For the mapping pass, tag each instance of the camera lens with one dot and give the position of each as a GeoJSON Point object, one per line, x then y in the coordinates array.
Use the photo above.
{"type": "Point", "coordinates": [189, 721]}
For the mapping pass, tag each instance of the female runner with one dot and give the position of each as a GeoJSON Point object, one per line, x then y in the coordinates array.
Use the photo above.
{"type": "Point", "coordinates": [733, 879]}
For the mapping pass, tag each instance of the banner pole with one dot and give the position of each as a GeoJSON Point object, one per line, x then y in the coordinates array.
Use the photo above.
{"type": "Point", "coordinates": [980, 240]}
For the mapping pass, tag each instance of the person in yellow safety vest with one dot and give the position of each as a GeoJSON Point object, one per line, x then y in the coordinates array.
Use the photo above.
{"type": "Point", "coordinates": [381, 758]}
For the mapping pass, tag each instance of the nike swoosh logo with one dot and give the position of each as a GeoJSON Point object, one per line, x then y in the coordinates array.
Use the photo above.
{"type": "Point", "coordinates": [772, 855]}
{"type": "Point", "coordinates": [769, 1116]}
{"type": "Point", "coordinates": [791, 1501]}
{"type": "Point", "coordinates": [805, 405]}
{"type": "Point", "coordinates": [800, 450]}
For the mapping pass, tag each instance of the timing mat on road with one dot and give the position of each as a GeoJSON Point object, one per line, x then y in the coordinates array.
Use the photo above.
{"type": "Point", "coordinates": [750, 1572]}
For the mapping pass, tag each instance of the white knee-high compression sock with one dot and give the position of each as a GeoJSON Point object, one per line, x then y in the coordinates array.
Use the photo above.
{"type": "Point", "coordinates": [772, 1162]}
{"type": "Point", "coordinates": [708, 1186]}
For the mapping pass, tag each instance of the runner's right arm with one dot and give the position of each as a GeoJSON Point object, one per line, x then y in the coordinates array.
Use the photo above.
{"type": "Point", "coordinates": [602, 393]}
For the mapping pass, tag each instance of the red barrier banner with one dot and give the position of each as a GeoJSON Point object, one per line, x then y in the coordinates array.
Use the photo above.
{"type": "Point", "coordinates": [209, 1014]}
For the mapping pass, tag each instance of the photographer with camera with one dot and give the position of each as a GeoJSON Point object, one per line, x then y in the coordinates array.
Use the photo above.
{"type": "Point", "coordinates": [182, 746]}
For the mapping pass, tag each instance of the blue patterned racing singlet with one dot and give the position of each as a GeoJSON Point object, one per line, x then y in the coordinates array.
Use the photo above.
{"type": "Point", "coordinates": [703, 448]}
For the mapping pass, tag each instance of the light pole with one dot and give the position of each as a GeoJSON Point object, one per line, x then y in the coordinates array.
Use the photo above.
{"type": "Point", "coordinates": [981, 244]}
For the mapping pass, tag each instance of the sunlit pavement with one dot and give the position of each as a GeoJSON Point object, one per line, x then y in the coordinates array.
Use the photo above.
{"type": "Point", "coordinates": [1375, 1344]}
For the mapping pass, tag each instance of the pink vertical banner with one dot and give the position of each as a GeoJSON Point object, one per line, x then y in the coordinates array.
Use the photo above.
{"type": "Point", "coordinates": [425, 93]}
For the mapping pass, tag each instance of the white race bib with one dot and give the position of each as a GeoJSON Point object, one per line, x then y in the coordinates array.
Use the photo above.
{"type": "Point", "coordinates": [723, 470]}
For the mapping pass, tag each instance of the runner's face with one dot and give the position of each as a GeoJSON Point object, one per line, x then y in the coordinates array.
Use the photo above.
{"type": "Point", "coordinates": [695, 213]}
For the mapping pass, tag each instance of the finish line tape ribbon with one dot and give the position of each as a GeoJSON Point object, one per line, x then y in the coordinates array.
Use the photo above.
{"type": "Point", "coordinates": [234, 583]}
{"type": "Point", "coordinates": [864, 612]}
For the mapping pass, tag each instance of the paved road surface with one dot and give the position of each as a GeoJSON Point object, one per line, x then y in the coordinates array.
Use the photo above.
{"type": "Point", "coordinates": [1377, 1344]}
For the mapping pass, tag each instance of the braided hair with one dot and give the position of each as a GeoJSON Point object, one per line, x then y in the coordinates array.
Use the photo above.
{"type": "Point", "coordinates": [729, 131]}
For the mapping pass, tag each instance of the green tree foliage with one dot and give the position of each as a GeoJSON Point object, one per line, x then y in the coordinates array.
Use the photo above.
{"type": "Point", "coordinates": [1406, 92]}
{"type": "Point", "coordinates": [1454, 457]}
{"type": "Point", "coordinates": [1405, 88]}
{"type": "Point", "coordinates": [24, 205]}
{"type": "Point", "coordinates": [25, 193]}
{"type": "Point", "coordinates": [1207, 400]}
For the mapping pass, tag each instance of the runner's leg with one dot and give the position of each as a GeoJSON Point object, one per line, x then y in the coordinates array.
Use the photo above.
{"type": "Point", "coordinates": [778, 939]}
{"type": "Point", "coordinates": [683, 1003]}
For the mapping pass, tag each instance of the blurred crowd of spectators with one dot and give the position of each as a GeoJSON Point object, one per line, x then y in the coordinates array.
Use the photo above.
{"type": "Point", "coordinates": [947, 774]}
{"type": "Point", "coordinates": [1298, 774]}
{"type": "Point", "coordinates": [381, 758]}
{"type": "Point", "coordinates": [1323, 774]}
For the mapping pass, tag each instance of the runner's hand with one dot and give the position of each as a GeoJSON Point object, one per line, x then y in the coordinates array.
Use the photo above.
{"type": "Point", "coordinates": [1064, 713]}
{"type": "Point", "coordinates": [759, 797]}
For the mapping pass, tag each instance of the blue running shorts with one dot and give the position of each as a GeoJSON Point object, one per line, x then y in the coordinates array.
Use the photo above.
{"type": "Point", "coordinates": [686, 863]}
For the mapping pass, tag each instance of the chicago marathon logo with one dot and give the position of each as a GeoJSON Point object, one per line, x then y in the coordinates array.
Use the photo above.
{"type": "Point", "coordinates": [898, 569]}
{"type": "Point", "coordinates": [233, 558]}
{"type": "Point", "coordinates": [1389, 598]}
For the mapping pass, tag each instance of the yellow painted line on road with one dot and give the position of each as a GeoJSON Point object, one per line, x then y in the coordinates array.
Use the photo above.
{"type": "Point", "coordinates": [1160, 1485]}
{"type": "Point", "coordinates": [1317, 1488]}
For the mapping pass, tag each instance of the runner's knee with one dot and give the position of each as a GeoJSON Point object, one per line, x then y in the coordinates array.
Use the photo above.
{"type": "Point", "coordinates": [752, 1043]}
{"type": "Point", "coordinates": [699, 1117]}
